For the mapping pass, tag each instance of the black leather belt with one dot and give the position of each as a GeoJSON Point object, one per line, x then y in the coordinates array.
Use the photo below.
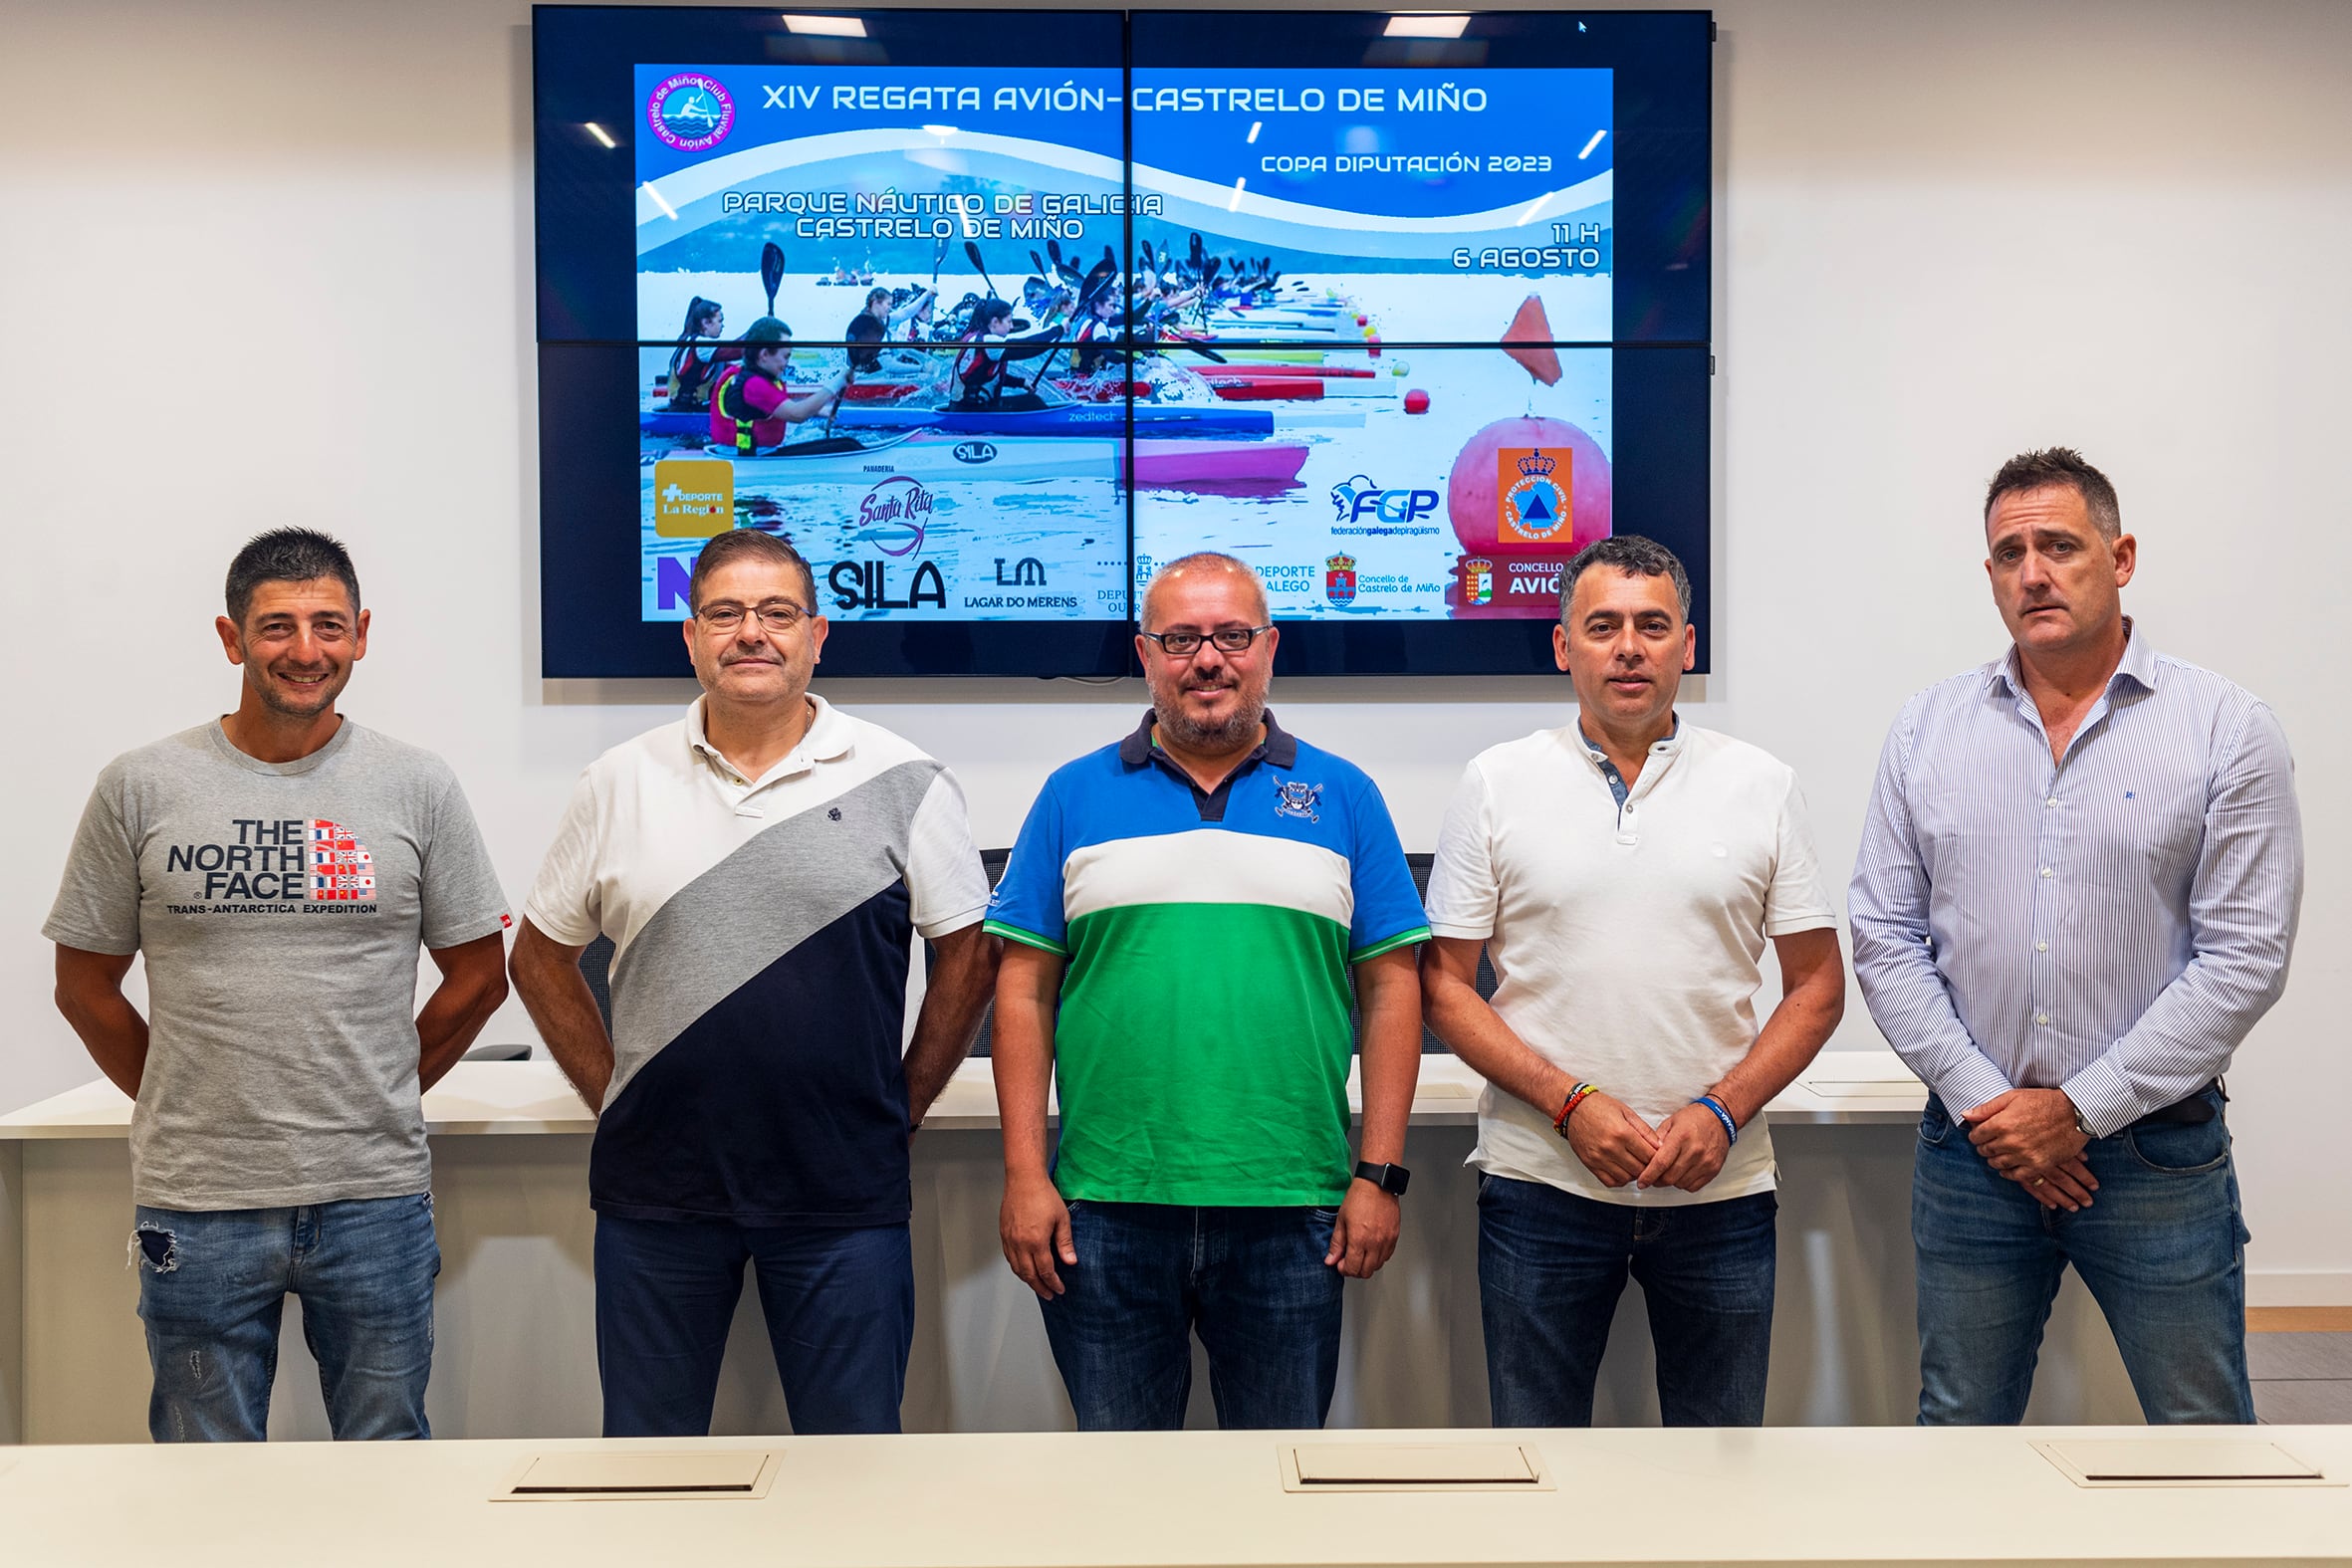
{"type": "Point", "coordinates": [2194, 1111]}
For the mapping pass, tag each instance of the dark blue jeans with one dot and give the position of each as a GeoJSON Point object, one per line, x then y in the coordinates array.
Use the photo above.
{"type": "Point", "coordinates": [1253, 1282]}
{"type": "Point", "coordinates": [212, 1289]}
{"type": "Point", "coordinates": [1551, 1266]}
{"type": "Point", "coordinates": [839, 1304]}
{"type": "Point", "coordinates": [2161, 1247]}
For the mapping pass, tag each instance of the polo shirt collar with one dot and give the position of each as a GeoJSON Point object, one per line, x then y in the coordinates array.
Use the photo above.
{"type": "Point", "coordinates": [1280, 748]}
{"type": "Point", "coordinates": [829, 740]}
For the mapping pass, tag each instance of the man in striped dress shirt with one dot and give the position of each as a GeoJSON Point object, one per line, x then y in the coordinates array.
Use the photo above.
{"type": "Point", "coordinates": [2076, 893]}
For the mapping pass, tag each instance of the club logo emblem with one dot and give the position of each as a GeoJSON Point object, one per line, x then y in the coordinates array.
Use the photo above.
{"type": "Point", "coordinates": [690, 113]}
{"type": "Point", "coordinates": [1297, 799]}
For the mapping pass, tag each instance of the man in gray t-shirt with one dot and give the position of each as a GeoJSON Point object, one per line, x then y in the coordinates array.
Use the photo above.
{"type": "Point", "coordinates": [278, 868]}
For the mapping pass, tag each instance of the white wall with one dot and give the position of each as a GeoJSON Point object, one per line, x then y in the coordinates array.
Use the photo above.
{"type": "Point", "coordinates": [267, 263]}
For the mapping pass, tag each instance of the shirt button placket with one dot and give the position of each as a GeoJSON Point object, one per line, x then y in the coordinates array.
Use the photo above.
{"type": "Point", "coordinates": [2047, 855]}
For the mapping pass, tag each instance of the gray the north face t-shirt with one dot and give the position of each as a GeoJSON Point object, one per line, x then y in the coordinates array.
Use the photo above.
{"type": "Point", "coordinates": [279, 906]}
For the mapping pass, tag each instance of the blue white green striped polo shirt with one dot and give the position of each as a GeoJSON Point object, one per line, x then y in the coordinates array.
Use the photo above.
{"type": "Point", "coordinates": [1202, 1042]}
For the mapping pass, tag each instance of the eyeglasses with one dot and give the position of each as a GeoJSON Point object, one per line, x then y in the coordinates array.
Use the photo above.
{"type": "Point", "coordinates": [777, 616]}
{"type": "Point", "coordinates": [1229, 639]}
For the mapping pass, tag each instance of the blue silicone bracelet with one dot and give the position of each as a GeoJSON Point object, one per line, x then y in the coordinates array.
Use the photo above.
{"type": "Point", "coordinates": [1731, 1129]}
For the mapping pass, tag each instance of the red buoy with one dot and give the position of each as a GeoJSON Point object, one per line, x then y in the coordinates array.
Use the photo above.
{"type": "Point", "coordinates": [1416, 401]}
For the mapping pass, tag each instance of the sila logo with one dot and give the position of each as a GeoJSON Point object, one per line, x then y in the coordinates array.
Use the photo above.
{"type": "Point", "coordinates": [279, 859]}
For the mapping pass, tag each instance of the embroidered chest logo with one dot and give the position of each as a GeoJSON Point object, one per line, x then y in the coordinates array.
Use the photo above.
{"type": "Point", "coordinates": [1297, 799]}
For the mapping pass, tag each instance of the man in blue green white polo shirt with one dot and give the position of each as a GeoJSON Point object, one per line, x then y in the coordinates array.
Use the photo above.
{"type": "Point", "coordinates": [1183, 911]}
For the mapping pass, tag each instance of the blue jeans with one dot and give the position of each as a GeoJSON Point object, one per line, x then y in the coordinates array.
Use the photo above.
{"type": "Point", "coordinates": [839, 1304]}
{"type": "Point", "coordinates": [2161, 1247]}
{"type": "Point", "coordinates": [1551, 1266]}
{"type": "Point", "coordinates": [1253, 1282]}
{"type": "Point", "coordinates": [212, 1289]}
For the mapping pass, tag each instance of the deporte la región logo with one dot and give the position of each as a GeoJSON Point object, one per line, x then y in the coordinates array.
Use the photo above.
{"type": "Point", "coordinates": [272, 865]}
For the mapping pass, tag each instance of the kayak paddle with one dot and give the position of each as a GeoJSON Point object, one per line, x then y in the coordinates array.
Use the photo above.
{"type": "Point", "coordinates": [772, 271]}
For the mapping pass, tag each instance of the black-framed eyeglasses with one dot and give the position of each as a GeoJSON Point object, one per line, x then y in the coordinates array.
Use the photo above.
{"type": "Point", "coordinates": [777, 616]}
{"type": "Point", "coordinates": [1229, 639]}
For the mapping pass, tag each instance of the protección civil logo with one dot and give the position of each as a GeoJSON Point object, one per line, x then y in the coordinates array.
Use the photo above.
{"type": "Point", "coordinates": [690, 111]}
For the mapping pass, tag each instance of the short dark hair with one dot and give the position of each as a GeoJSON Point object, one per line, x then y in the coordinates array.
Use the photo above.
{"type": "Point", "coordinates": [1633, 554]}
{"type": "Point", "coordinates": [2059, 465]}
{"type": "Point", "coordinates": [747, 544]}
{"type": "Point", "coordinates": [288, 554]}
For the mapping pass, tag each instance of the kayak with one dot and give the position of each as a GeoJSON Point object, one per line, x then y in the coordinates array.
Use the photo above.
{"type": "Point", "coordinates": [931, 458]}
{"type": "Point", "coordinates": [1173, 463]}
{"type": "Point", "coordinates": [944, 459]}
{"type": "Point", "coordinates": [1247, 388]}
{"type": "Point", "coordinates": [1325, 371]}
{"type": "Point", "coordinates": [1103, 419]}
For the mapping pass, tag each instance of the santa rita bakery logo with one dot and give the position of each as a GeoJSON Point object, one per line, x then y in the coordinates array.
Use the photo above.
{"type": "Point", "coordinates": [274, 865]}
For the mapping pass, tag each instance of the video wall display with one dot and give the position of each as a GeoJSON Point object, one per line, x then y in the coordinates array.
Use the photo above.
{"type": "Point", "coordinates": [992, 313]}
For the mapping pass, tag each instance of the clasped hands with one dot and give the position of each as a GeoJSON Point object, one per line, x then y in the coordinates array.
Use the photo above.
{"type": "Point", "coordinates": [2029, 1136]}
{"type": "Point", "coordinates": [1686, 1149]}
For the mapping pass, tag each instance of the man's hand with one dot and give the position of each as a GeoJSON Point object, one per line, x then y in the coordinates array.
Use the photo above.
{"type": "Point", "coordinates": [2029, 1136]}
{"type": "Point", "coordinates": [1034, 1226]}
{"type": "Point", "coordinates": [1691, 1150]}
{"type": "Point", "coordinates": [2066, 1185]}
{"type": "Point", "coordinates": [1364, 1236]}
{"type": "Point", "coordinates": [1615, 1144]}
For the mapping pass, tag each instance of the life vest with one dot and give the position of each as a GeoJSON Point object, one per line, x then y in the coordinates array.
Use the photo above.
{"type": "Point", "coordinates": [730, 413]}
{"type": "Point", "coordinates": [690, 368]}
{"type": "Point", "coordinates": [976, 367]}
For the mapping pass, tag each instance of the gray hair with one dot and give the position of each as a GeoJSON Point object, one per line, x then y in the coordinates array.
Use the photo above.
{"type": "Point", "coordinates": [1632, 555]}
{"type": "Point", "coordinates": [749, 544]}
{"type": "Point", "coordinates": [288, 554]}
{"type": "Point", "coordinates": [2058, 466]}
{"type": "Point", "coordinates": [1210, 561]}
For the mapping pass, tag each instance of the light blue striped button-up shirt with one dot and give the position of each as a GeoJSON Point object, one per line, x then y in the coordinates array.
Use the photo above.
{"type": "Point", "coordinates": [2112, 924]}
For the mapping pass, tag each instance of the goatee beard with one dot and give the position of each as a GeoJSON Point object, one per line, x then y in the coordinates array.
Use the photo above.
{"type": "Point", "coordinates": [1190, 733]}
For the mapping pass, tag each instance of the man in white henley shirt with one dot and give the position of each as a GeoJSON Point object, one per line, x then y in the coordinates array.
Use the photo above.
{"type": "Point", "coordinates": [1625, 871]}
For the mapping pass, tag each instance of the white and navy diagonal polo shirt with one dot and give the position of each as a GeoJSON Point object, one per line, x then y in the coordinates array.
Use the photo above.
{"type": "Point", "coordinates": [762, 932]}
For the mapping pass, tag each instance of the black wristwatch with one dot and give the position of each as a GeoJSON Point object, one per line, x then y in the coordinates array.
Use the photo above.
{"type": "Point", "coordinates": [1390, 1179]}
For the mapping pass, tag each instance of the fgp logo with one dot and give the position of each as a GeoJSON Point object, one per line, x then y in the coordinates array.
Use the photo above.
{"type": "Point", "coordinates": [1297, 799]}
{"type": "Point", "coordinates": [693, 497]}
{"type": "Point", "coordinates": [1339, 578]}
{"type": "Point", "coordinates": [1354, 498]}
{"type": "Point", "coordinates": [690, 111]}
{"type": "Point", "coordinates": [1533, 487]}
{"type": "Point", "coordinates": [1478, 580]}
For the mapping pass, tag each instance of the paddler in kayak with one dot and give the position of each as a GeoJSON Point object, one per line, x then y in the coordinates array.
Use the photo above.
{"type": "Point", "coordinates": [750, 409]}
{"type": "Point", "coordinates": [989, 349]}
{"type": "Point", "coordinates": [1097, 332]}
{"type": "Point", "coordinates": [693, 367]}
{"type": "Point", "coordinates": [897, 318]}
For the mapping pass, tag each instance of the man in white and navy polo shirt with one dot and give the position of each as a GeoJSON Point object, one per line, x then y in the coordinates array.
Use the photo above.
{"type": "Point", "coordinates": [761, 867]}
{"type": "Point", "coordinates": [1626, 871]}
{"type": "Point", "coordinates": [1187, 909]}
